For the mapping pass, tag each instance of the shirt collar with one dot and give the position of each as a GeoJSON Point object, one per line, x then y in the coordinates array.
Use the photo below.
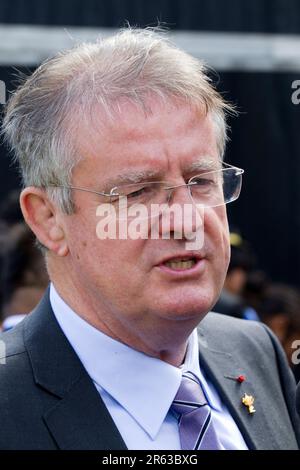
{"type": "Point", "coordinates": [143, 385]}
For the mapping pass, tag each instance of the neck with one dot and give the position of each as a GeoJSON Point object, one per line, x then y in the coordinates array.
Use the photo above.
{"type": "Point", "coordinates": [163, 339]}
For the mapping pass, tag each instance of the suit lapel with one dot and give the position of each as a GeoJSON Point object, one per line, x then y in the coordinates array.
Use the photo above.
{"type": "Point", "coordinates": [221, 368]}
{"type": "Point", "coordinates": [79, 418]}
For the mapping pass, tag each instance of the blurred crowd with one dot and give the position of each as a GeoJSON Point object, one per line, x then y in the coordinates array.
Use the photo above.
{"type": "Point", "coordinates": [22, 268]}
{"type": "Point", "coordinates": [249, 293]}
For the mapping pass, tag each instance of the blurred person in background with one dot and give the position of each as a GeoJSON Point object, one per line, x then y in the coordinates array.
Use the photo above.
{"type": "Point", "coordinates": [10, 213]}
{"type": "Point", "coordinates": [24, 276]}
{"type": "Point", "coordinates": [280, 310]}
{"type": "Point", "coordinates": [257, 283]}
{"type": "Point", "coordinates": [242, 261]}
{"type": "Point", "coordinates": [10, 210]}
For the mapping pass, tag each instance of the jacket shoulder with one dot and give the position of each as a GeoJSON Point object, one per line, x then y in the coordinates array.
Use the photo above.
{"type": "Point", "coordinates": [14, 362]}
{"type": "Point", "coordinates": [231, 332]}
{"type": "Point", "coordinates": [12, 342]}
{"type": "Point", "coordinates": [21, 401]}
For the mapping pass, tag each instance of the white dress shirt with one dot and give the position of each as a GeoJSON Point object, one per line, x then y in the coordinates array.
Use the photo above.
{"type": "Point", "coordinates": [137, 389]}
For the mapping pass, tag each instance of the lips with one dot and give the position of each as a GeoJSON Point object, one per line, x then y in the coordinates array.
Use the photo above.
{"type": "Point", "coordinates": [181, 262]}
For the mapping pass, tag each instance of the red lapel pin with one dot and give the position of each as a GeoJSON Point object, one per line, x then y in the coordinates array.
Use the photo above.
{"type": "Point", "coordinates": [240, 378]}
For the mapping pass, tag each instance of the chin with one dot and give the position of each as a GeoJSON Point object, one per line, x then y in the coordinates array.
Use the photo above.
{"type": "Point", "coordinates": [186, 307]}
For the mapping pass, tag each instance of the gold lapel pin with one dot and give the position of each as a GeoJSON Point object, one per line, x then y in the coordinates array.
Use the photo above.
{"type": "Point", "coordinates": [248, 401]}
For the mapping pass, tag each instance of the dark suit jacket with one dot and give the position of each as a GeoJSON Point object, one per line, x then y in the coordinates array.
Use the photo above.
{"type": "Point", "coordinates": [298, 398]}
{"type": "Point", "coordinates": [48, 401]}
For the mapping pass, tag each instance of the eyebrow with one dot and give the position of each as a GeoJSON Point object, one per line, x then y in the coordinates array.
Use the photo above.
{"type": "Point", "coordinates": [138, 176]}
{"type": "Point", "coordinates": [203, 164]}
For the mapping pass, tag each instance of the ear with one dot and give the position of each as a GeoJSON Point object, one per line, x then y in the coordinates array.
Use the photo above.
{"type": "Point", "coordinates": [43, 218]}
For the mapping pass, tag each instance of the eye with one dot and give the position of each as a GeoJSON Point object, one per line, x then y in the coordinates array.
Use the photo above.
{"type": "Point", "coordinates": [142, 192]}
{"type": "Point", "coordinates": [135, 193]}
{"type": "Point", "coordinates": [138, 192]}
{"type": "Point", "coordinates": [199, 181]}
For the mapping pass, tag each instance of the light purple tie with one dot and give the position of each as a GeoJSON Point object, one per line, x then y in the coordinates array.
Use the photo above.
{"type": "Point", "coordinates": [196, 429]}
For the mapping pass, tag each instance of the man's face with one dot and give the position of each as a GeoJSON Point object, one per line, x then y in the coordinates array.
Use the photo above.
{"type": "Point", "coordinates": [128, 280]}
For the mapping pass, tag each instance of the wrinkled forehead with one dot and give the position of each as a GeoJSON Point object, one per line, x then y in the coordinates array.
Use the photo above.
{"type": "Point", "coordinates": [143, 136]}
{"type": "Point", "coordinates": [128, 120]}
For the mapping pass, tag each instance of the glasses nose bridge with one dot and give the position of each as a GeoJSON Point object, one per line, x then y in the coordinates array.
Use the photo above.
{"type": "Point", "coordinates": [170, 190]}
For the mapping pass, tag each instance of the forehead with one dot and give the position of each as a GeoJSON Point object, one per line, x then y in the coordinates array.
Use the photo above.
{"type": "Point", "coordinates": [168, 137]}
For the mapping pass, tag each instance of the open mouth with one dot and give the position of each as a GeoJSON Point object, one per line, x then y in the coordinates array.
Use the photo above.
{"type": "Point", "coordinates": [180, 264]}
{"type": "Point", "coordinates": [183, 265]}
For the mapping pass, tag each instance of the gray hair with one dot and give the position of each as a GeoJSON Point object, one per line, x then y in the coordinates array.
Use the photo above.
{"type": "Point", "coordinates": [45, 112]}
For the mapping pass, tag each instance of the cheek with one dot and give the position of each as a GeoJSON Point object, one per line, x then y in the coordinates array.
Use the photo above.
{"type": "Point", "coordinates": [120, 260]}
{"type": "Point", "coordinates": [217, 233]}
{"type": "Point", "coordinates": [115, 254]}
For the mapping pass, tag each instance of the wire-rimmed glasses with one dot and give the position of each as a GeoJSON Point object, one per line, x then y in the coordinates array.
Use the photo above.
{"type": "Point", "coordinates": [211, 188]}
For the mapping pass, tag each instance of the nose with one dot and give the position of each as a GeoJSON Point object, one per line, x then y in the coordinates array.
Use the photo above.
{"type": "Point", "coordinates": [181, 219]}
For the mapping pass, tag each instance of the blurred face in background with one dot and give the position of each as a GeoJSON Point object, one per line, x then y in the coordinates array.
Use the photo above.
{"type": "Point", "coordinates": [23, 270]}
{"type": "Point", "coordinates": [280, 310]}
{"type": "Point", "coordinates": [235, 281]}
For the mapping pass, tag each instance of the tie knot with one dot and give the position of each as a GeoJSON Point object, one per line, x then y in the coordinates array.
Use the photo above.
{"type": "Point", "coordinates": [189, 396]}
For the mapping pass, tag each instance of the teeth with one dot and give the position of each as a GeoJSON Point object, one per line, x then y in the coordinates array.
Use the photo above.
{"type": "Point", "coordinates": [182, 264]}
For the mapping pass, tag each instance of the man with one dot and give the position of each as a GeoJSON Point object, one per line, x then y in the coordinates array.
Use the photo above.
{"type": "Point", "coordinates": [110, 358]}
